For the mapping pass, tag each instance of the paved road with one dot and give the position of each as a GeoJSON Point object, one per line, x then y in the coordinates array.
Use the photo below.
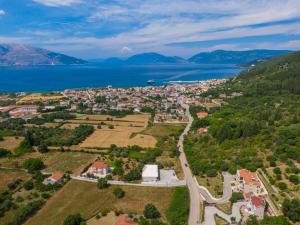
{"type": "Point", "coordinates": [227, 191]}
{"type": "Point", "coordinates": [150, 184]}
{"type": "Point", "coordinates": [195, 198]}
{"type": "Point", "coordinates": [211, 211]}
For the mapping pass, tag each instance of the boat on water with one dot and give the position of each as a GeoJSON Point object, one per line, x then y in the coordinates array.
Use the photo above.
{"type": "Point", "coordinates": [150, 82]}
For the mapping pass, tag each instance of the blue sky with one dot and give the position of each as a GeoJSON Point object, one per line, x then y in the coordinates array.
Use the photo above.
{"type": "Point", "coordinates": [104, 28]}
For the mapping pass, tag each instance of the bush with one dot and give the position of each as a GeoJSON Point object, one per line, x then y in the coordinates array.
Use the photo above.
{"type": "Point", "coordinates": [212, 173]}
{"type": "Point", "coordinates": [151, 212]}
{"type": "Point", "coordinates": [236, 196]}
{"type": "Point", "coordinates": [294, 179]}
{"type": "Point", "coordinates": [119, 192]}
{"type": "Point", "coordinates": [33, 165]}
{"type": "Point", "coordinates": [282, 186]}
{"type": "Point", "coordinates": [28, 185]}
{"type": "Point", "coordinates": [4, 153]}
{"type": "Point", "coordinates": [43, 148]}
{"type": "Point", "coordinates": [104, 211]}
{"type": "Point", "coordinates": [74, 219]}
{"type": "Point", "coordinates": [102, 183]}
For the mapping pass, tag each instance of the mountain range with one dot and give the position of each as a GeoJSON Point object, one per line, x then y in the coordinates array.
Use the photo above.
{"type": "Point", "coordinates": [23, 55]}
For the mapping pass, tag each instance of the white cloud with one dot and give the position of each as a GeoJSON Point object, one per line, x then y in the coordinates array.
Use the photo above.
{"type": "Point", "coordinates": [2, 12]}
{"type": "Point", "coordinates": [57, 3]}
{"type": "Point", "coordinates": [126, 50]}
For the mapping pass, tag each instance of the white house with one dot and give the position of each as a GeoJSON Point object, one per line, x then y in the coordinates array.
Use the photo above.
{"type": "Point", "coordinates": [150, 173]}
{"type": "Point", "coordinates": [56, 177]}
{"type": "Point", "coordinates": [256, 206]}
{"type": "Point", "coordinates": [98, 169]}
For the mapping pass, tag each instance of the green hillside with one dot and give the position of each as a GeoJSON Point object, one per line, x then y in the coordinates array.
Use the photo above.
{"type": "Point", "coordinates": [260, 129]}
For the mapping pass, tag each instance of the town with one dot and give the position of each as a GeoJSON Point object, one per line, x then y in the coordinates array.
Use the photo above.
{"type": "Point", "coordinates": [127, 138]}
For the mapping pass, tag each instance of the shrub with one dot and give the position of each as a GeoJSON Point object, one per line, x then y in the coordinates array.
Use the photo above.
{"type": "Point", "coordinates": [294, 179]}
{"type": "Point", "coordinates": [151, 212]}
{"type": "Point", "coordinates": [119, 192]}
{"type": "Point", "coordinates": [4, 153]}
{"type": "Point", "coordinates": [102, 183]}
{"type": "Point", "coordinates": [33, 164]}
{"type": "Point", "coordinates": [28, 185]}
{"type": "Point", "coordinates": [104, 211]}
{"type": "Point", "coordinates": [212, 173]}
{"type": "Point", "coordinates": [282, 186]}
{"type": "Point", "coordinates": [74, 219]}
{"type": "Point", "coordinates": [236, 196]}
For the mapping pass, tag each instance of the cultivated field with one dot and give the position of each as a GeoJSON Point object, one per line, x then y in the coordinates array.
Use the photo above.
{"type": "Point", "coordinates": [120, 136]}
{"type": "Point", "coordinates": [7, 176]}
{"type": "Point", "coordinates": [54, 161]}
{"type": "Point", "coordinates": [129, 118]}
{"type": "Point", "coordinates": [159, 130]}
{"type": "Point", "coordinates": [87, 199]}
{"type": "Point", "coordinates": [39, 97]}
{"type": "Point", "coordinates": [11, 143]}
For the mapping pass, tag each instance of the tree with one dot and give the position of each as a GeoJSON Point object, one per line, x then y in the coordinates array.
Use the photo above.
{"type": "Point", "coordinates": [74, 219]}
{"type": "Point", "coordinates": [294, 179]}
{"type": "Point", "coordinates": [102, 183]}
{"type": "Point", "coordinates": [43, 148]}
{"type": "Point", "coordinates": [32, 164]}
{"type": "Point", "coordinates": [119, 192]}
{"type": "Point", "coordinates": [28, 185]}
{"type": "Point", "coordinates": [4, 152]}
{"type": "Point", "coordinates": [291, 209]}
{"type": "Point", "coordinates": [151, 212]}
{"type": "Point", "coordinates": [282, 186]}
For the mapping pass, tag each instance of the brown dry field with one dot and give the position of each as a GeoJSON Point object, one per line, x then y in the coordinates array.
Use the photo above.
{"type": "Point", "coordinates": [39, 97]}
{"type": "Point", "coordinates": [120, 136]}
{"type": "Point", "coordinates": [115, 123]}
{"type": "Point", "coordinates": [54, 161]}
{"type": "Point", "coordinates": [11, 143]}
{"type": "Point", "coordinates": [7, 176]}
{"type": "Point", "coordinates": [129, 118]}
{"type": "Point", "coordinates": [85, 198]}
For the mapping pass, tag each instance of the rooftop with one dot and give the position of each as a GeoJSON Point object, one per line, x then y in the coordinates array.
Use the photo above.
{"type": "Point", "coordinates": [150, 171]}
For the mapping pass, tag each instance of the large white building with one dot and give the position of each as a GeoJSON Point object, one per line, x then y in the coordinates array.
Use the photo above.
{"type": "Point", "coordinates": [150, 173]}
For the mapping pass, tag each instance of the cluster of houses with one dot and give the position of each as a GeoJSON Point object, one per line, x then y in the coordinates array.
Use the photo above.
{"type": "Point", "coordinates": [19, 111]}
{"type": "Point", "coordinates": [253, 191]}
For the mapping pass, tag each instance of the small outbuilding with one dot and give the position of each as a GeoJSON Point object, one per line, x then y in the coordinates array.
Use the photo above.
{"type": "Point", "coordinates": [150, 173]}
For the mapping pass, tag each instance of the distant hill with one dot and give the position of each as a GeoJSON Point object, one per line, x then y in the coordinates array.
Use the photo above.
{"type": "Point", "coordinates": [235, 57]}
{"type": "Point", "coordinates": [23, 55]}
{"type": "Point", "coordinates": [153, 58]}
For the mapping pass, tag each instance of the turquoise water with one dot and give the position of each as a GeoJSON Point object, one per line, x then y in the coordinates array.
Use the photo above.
{"type": "Point", "coordinates": [49, 78]}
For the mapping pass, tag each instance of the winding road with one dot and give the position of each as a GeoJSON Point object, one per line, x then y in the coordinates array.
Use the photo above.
{"type": "Point", "coordinates": [195, 197]}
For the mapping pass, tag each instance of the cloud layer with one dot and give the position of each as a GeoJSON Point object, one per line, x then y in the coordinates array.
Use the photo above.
{"type": "Point", "coordinates": [97, 28]}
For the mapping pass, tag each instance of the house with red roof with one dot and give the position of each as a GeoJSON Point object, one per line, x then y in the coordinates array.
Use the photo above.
{"type": "Point", "coordinates": [202, 115]}
{"type": "Point", "coordinates": [124, 220]}
{"type": "Point", "coordinates": [256, 206]}
{"type": "Point", "coordinates": [249, 183]}
{"type": "Point", "coordinates": [98, 169]}
{"type": "Point", "coordinates": [56, 177]}
{"type": "Point", "coordinates": [202, 130]}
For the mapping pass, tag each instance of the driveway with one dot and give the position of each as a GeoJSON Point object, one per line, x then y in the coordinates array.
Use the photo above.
{"type": "Point", "coordinates": [211, 211]}
{"type": "Point", "coordinates": [227, 191]}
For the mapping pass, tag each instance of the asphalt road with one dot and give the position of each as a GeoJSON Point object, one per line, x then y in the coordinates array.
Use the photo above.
{"type": "Point", "coordinates": [195, 198]}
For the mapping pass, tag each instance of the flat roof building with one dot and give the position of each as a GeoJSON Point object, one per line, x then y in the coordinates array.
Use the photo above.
{"type": "Point", "coordinates": [150, 173]}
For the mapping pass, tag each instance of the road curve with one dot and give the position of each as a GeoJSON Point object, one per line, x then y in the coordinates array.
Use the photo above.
{"type": "Point", "coordinates": [195, 198]}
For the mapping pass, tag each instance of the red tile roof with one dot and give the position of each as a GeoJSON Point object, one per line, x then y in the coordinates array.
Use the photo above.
{"type": "Point", "coordinates": [57, 176]}
{"type": "Point", "coordinates": [249, 177]}
{"type": "Point", "coordinates": [257, 201]}
{"type": "Point", "coordinates": [202, 115]}
{"type": "Point", "coordinates": [124, 220]}
{"type": "Point", "coordinates": [99, 165]}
